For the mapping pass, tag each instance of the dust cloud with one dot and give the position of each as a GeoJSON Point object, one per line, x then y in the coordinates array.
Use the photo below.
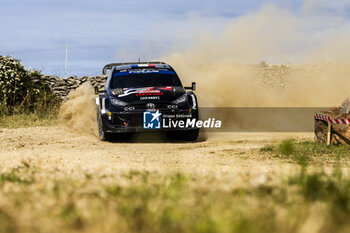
{"type": "Point", "coordinates": [78, 113]}
{"type": "Point", "coordinates": [308, 48]}
{"type": "Point", "coordinates": [229, 69]}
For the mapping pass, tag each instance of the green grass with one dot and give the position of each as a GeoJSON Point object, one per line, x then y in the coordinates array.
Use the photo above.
{"type": "Point", "coordinates": [36, 199]}
{"type": "Point", "coordinates": [309, 152]}
{"type": "Point", "coordinates": [286, 147]}
{"type": "Point", "coordinates": [27, 120]}
{"type": "Point", "coordinates": [331, 190]}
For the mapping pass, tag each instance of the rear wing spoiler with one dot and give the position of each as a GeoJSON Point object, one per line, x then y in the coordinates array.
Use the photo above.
{"type": "Point", "coordinates": [111, 65]}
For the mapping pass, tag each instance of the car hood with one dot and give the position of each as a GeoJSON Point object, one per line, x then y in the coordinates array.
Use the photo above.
{"type": "Point", "coordinates": [150, 94]}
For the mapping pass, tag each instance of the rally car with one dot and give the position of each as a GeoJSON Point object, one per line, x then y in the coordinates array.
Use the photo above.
{"type": "Point", "coordinates": [146, 96]}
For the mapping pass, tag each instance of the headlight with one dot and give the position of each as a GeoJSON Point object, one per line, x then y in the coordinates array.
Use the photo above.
{"type": "Point", "coordinates": [117, 91]}
{"type": "Point", "coordinates": [181, 99]}
{"type": "Point", "coordinates": [118, 102]}
{"type": "Point", "coordinates": [179, 89]}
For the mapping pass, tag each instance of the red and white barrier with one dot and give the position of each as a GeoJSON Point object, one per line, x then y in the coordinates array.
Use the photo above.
{"type": "Point", "coordinates": [329, 119]}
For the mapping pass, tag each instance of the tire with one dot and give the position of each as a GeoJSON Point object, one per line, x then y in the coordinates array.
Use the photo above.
{"type": "Point", "coordinates": [188, 135]}
{"type": "Point", "coordinates": [101, 133]}
{"type": "Point", "coordinates": [191, 135]}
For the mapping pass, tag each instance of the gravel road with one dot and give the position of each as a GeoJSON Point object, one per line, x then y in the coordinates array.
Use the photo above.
{"type": "Point", "coordinates": [215, 154]}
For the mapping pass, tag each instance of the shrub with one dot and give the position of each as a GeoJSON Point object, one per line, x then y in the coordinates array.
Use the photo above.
{"type": "Point", "coordinates": [18, 94]}
{"type": "Point", "coordinates": [13, 79]}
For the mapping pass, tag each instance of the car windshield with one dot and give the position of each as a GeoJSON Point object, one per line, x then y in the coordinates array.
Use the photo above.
{"type": "Point", "coordinates": [144, 78]}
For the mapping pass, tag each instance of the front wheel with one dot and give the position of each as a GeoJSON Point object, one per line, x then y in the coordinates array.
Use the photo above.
{"type": "Point", "coordinates": [187, 135]}
{"type": "Point", "coordinates": [101, 133]}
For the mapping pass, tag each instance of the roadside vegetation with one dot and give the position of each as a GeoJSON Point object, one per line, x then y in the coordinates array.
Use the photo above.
{"type": "Point", "coordinates": [23, 102]}
{"type": "Point", "coordinates": [308, 152]}
{"type": "Point", "coordinates": [44, 200]}
{"type": "Point", "coordinates": [28, 120]}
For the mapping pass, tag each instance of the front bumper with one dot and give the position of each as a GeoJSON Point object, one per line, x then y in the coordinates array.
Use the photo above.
{"type": "Point", "coordinates": [133, 121]}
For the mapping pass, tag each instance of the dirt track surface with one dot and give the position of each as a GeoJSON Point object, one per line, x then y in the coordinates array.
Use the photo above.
{"type": "Point", "coordinates": [233, 154]}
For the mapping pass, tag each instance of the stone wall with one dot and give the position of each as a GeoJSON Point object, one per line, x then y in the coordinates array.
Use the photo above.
{"type": "Point", "coordinates": [61, 87]}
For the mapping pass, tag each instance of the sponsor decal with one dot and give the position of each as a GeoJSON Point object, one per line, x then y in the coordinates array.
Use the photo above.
{"type": "Point", "coordinates": [128, 92]}
{"type": "Point", "coordinates": [132, 108]}
{"type": "Point", "coordinates": [143, 71]}
{"type": "Point", "coordinates": [149, 98]}
{"type": "Point", "coordinates": [152, 120]}
{"type": "Point", "coordinates": [149, 91]}
{"type": "Point", "coordinates": [150, 94]}
{"type": "Point", "coordinates": [194, 102]}
{"type": "Point", "coordinates": [151, 106]}
{"type": "Point", "coordinates": [166, 88]}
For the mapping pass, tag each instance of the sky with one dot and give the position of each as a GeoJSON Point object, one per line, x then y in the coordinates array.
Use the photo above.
{"type": "Point", "coordinates": [100, 32]}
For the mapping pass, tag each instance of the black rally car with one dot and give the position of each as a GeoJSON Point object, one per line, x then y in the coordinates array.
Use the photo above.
{"type": "Point", "coordinates": [146, 97]}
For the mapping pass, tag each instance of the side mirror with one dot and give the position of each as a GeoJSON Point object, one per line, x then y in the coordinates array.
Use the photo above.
{"type": "Point", "coordinates": [193, 87]}
{"type": "Point", "coordinates": [98, 91]}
